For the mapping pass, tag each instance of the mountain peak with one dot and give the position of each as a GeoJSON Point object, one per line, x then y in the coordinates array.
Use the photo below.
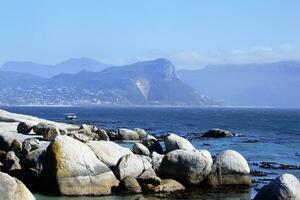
{"type": "Point", "coordinates": [161, 67]}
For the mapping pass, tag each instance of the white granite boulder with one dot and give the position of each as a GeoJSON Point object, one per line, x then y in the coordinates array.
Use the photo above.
{"type": "Point", "coordinates": [173, 142]}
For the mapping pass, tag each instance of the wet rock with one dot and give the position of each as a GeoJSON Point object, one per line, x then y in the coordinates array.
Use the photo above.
{"type": "Point", "coordinates": [127, 134]}
{"type": "Point", "coordinates": [130, 185]}
{"type": "Point", "coordinates": [40, 128]}
{"type": "Point", "coordinates": [72, 168]}
{"type": "Point", "coordinates": [229, 168]}
{"type": "Point", "coordinates": [273, 165]}
{"type": "Point", "coordinates": [140, 149]}
{"type": "Point", "coordinates": [156, 160]}
{"type": "Point", "coordinates": [108, 152]}
{"type": "Point", "coordinates": [13, 189]}
{"type": "Point", "coordinates": [152, 144]}
{"type": "Point", "coordinates": [218, 133]}
{"type": "Point", "coordinates": [132, 165]}
{"type": "Point", "coordinates": [24, 127]}
{"type": "Point", "coordinates": [173, 142]}
{"type": "Point", "coordinates": [165, 186]}
{"type": "Point", "coordinates": [188, 167]}
{"type": "Point", "coordinates": [102, 135]}
{"type": "Point", "coordinates": [284, 187]}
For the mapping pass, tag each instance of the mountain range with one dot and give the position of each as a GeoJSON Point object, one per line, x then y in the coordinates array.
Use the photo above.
{"type": "Point", "coordinates": [268, 84]}
{"type": "Point", "coordinates": [143, 83]}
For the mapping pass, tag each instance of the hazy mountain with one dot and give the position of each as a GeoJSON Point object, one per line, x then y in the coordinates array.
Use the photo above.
{"type": "Point", "coordinates": [69, 66]}
{"type": "Point", "coordinates": [143, 83]}
{"type": "Point", "coordinates": [269, 84]}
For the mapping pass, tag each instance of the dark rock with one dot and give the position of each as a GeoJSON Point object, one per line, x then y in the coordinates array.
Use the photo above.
{"type": "Point", "coordinates": [24, 128]}
{"type": "Point", "coordinates": [152, 144]}
{"type": "Point", "coordinates": [218, 133]}
{"type": "Point", "coordinates": [273, 165]}
{"type": "Point", "coordinates": [16, 146]}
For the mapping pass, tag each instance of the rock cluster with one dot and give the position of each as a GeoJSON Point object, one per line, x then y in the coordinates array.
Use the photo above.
{"type": "Point", "coordinates": [84, 160]}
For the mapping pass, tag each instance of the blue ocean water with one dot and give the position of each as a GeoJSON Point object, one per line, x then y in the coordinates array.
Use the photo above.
{"type": "Point", "coordinates": [265, 134]}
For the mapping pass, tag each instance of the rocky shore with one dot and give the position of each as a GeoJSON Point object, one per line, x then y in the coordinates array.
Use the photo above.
{"type": "Point", "coordinates": [71, 160]}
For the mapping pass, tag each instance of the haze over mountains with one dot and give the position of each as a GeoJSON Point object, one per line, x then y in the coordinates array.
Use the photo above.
{"type": "Point", "coordinates": [269, 84]}
{"type": "Point", "coordinates": [86, 81]}
{"type": "Point", "coordinates": [143, 83]}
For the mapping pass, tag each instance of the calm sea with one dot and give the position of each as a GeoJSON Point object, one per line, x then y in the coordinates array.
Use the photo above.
{"type": "Point", "coordinates": [265, 134]}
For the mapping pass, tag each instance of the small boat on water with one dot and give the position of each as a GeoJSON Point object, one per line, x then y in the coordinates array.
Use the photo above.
{"type": "Point", "coordinates": [70, 116]}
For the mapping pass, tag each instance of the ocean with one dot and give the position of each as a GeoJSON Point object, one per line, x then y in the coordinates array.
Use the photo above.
{"type": "Point", "coordinates": [264, 135]}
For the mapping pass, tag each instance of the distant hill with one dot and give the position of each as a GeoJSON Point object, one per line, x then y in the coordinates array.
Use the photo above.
{"type": "Point", "coordinates": [269, 84]}
{"type": "Point", "coordinates": [144, 83]}
{"type": "Point", "coordinates": [69, 66]}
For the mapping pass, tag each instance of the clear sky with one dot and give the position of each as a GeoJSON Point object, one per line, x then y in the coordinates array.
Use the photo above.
{"type": "Point", "coordinates": [191, 33]}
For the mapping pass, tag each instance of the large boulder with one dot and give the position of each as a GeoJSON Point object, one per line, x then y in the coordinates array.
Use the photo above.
{"type": "Point", "coordinates": [130, 185]}
{"type": "Point", "coordinates": [127, 134]}
{"type": "Point", "coordinates": [149, 176]}
{"type": "Point", "coordinates": [188, 167]}
{"type": "Point", "coordinates": [152, 144]}
{"type": "Point", "coordinates": [108, 152]}
{"type": "Point", "coordinates": [284, 187]}
{"type": "Point", "coordinates": [13, 189]}
{"type": "Point", "coordinates": [72, 168]}
{"type": "Point", "coordinates": [218, 133]}
{"type": "Point", "coordinates": [140, 149]}
{"type": "Point", "coordinates": [173, 142]}
{"type": "Point", "coordinates": [132, 165]}
{"type": "Point", "coordinates": [230, 168]}
{"type": "Point", "coordinates": [165, 186]}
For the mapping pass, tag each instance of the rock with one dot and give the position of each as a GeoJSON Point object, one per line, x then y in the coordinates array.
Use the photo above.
{"type": "Point", "coordinates": [90, 135]}
{"type": "Point", "coordinates": [11, 161]}
{"type": "Point", "coordinates": [112, 134]}
{"type": "Point", "coordinates": [284, 187]}
{"type": "Point", "coordinates": [152, 144]}
{"type": "Point", "coordinates": [230, 168]}
{"type": "Point", "coordinates": [24, 127]}
{"type": "Point", "coordinates": [102, 135]}
{"type": "Point", "coordinates": [72, 168]}
{"type": "Point", "coordinates": [35, 157]}
{"type": "Point", "coordinates": [108, 152]}
{"type": "Point", "coordinates": [173, 142]}
{"type": "Point", "coordinates": [141, 132]}
{"type": "Point", "coordinates": [132, 165]}
{"type": "Point", "coordinates": [81, 137]}
{"type": "Point", "coordinates": [30, 145]}
{"type": "Point", "coordinates": [89, 128]}
{"type": "Point", "coordinates": [16, 146]}
{"type": "Point", "coordinates": [188, 167]}
{"type": "Point", "coordinates": [165, 186]}
{"type": "Point", "coordinates": [140, 149]}
{"type": "Point", "coordinates": [40, 128]}
{"type": "Point", "coordinates": [50, 133]}
{"type": "Point", "coordinates": [149, 177]}
{"type": "Point", "coordinates": [127, 134]}
{"type": "Point", "coordinates": [156, 160]}
{"type": "Point", "coordinates": [130, 185]}
{"type": "Point", "coordinates": [218, 133]}
{"type": "Point", "coordinates": [13, 189]}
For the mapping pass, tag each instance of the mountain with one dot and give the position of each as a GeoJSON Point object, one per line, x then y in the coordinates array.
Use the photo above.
{"type": "Point", "coordinates": [143, 83]}
{"type": "Point", "coordinates": [69, 66]}
{"type": "Point", "coordinates": [269, 84]}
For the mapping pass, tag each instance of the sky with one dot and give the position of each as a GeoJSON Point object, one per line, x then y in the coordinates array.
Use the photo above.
{"type": "Point", "coordinates": [190, 33]}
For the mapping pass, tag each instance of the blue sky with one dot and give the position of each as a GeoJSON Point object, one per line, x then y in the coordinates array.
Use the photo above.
{"type": "Point", "coordinates": [190, 33]}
